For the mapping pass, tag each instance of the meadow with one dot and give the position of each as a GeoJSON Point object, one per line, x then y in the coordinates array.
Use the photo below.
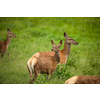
{"type": "Point", "coordinates": [34, 34]}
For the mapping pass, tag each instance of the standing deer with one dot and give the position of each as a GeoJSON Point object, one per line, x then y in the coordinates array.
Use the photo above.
{"type": "Point", "coordinates": [63, 53]}
{"type": "Point", "coordinates": [4, 44]}
{"type": "Point", "coordinates": [46, 65]}
{"type": "Point", "coordinates": [83, 80]}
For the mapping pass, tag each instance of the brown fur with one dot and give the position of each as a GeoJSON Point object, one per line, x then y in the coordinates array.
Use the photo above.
{"type": "Point", "coordinates": [46, 65]}
{"type": "Point", "coordinates": [83, 80]}
{"type": "Point", "coordinates": [63, 53]}
{"type": "Point", "coordinates": [4, 44]}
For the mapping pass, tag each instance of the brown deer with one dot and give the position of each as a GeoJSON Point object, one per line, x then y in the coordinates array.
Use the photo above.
{"type": "Point", "coordinates": [46, 65]}
{"type": "Point", "coordinates": [83, 80]}
{"type": "Point", "coordinates": [63, 53]}
{"type": "Point", "coordinates": [4, 44]}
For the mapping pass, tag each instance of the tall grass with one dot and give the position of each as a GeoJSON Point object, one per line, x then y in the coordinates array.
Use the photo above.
{"type": "Point", "coordinates": [34, 35]}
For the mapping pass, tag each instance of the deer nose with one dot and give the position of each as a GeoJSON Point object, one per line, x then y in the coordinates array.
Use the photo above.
{"type": "Point", "coordinates": [15, 36]}
{"type": "Point", "coordinates": [51, 49]}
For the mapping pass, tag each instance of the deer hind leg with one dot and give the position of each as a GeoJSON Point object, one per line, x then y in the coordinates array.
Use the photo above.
{"type": "Point", "coordinates": [31, 74]}
{"type": "Point", "coordinates": [36, 72]}
{"type": "Point", "coordinates": [35, 76]}
{"type": "Point", "coordinates": [7, 54]}
{"type": "Point", "coordinates": [31, 77]}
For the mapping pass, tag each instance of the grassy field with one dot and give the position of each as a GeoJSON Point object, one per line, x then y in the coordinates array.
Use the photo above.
{"type": "Point", "coordinates": [35, 34]}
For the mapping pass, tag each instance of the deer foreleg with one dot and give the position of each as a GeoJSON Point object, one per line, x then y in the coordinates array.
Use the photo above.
{"type": "Point", "coordinates": [47, 76]}
{"type": "Point", "coordinates": [7, 54]}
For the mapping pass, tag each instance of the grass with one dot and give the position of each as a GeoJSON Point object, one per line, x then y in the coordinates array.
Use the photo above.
{"type": "Point", "coordinates": [34, 35]}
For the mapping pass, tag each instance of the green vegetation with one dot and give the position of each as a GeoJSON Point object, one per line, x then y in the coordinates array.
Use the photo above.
{"type": "Point", "coordinates": [35, 34]}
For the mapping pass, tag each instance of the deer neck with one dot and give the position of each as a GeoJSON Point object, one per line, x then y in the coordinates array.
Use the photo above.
{"type": "Point", "coordinates": [57, 57]}
{"type": "Point", "coordinates": [8, 40]}
{"type": "Point", "coordinates": [67, 48]}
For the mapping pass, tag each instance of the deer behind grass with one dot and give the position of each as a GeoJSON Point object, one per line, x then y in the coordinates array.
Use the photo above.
{"type": "Point", "coordinates": [63, 53]}
{"type": "Point", "coordinates": [46, 65]}
{"type": "Point", "coordinates": [4, 44]}
{"type": "Point", "coordinates": [83, 80]}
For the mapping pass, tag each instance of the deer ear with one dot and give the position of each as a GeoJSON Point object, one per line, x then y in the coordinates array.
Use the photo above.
{"type": "Point", "coordinates": [65, 34]}
{"type": "Point", "coordinates": [8, 29]}
{"type": "Point", "coordinates": [52, 42]}
{"type": "Point", "coordinates": [61, 42]}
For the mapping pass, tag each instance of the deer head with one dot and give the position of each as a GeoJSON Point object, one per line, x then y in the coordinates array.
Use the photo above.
{"type": "Point", "coordinates": [10, 34]}
{"type": "Point", "coordinates": [56, 48]}
{"type": "Point", "coordinates": [69, 40]}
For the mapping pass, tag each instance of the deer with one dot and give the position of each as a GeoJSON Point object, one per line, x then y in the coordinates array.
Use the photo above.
{"type": "Point", "coordinates": [83, 80]}
{"type": "Point", "coordinates": [46, 65]}
{"type": "Point", "coordinates": [64, 54]}
{"type": "Point", "coordinates": [4, 44]}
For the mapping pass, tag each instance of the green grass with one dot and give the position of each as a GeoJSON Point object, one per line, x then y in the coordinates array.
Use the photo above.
{"type": "Point", "coordinates": [35, 34]}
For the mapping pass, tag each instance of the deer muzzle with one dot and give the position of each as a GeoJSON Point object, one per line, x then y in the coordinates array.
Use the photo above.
{"type": "Point", "coordinates": [51, 49]}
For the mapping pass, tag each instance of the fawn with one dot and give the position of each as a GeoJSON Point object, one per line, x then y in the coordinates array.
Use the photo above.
{"type": "Point", "coordinates": [4, 44]}
{"type": "Point", "coordinates": [46, 65]}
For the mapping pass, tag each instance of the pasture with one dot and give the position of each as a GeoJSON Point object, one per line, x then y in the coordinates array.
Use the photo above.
{"type": "Point", "coordinates": [34, 34]}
